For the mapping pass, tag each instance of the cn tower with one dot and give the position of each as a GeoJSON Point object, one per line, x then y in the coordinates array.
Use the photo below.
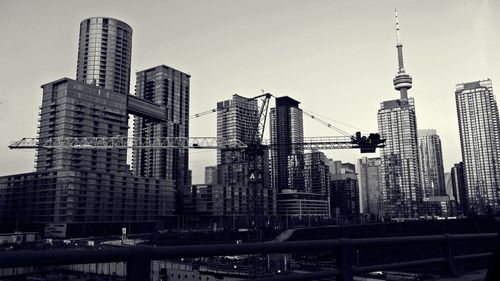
{"type": "Point", "coordinates": [402, 81]}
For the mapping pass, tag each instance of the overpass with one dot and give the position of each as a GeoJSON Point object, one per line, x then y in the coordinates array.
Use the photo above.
{"type": "Point", "coordinates": [147, 109]}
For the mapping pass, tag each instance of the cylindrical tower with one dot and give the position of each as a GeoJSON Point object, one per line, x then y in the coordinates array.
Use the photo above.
{"type": "Point", "coordinates": [104, 53]}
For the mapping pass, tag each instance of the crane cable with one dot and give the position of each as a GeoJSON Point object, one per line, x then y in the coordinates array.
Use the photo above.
{"type": "Point", "coordinates": [314, 116]}
{"type": "Point", "coordinates": [307, 112]}
{"type": "Point", "coordinates": [152, 125]}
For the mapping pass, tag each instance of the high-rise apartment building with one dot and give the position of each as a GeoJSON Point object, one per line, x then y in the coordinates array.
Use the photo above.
{"type": "Point", "coordinates": [400, 176]}
{"type": "Point", "coordinates": [75, 109]}
{"type": "Point", "coordinates": [479, 129]}
{"type": "Point", "coordinates": [91, 191]}
{"type": "Point", "coordinates": [84, 191]}
{"type": "Point", "coordinates": [168, 87]}
{"type": "Point", "coordinates": [368, 170]}
{"type": "Point", "coordinates": [104, 54]}
{"type": "Point", "coordinates": [287, 161]}
{"type": "Point", "coordinates": [236, 119]}
{"type": "Point", "coordinates": [431, 163]}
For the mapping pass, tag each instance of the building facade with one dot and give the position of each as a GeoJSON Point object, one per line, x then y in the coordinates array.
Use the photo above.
{"type": "Point", "coordinates": [316, 173]}
{"type": "Point", "coordinates": [85, 202]}
{"type": "Point", "coordinates": [169, 88]}
{"type": "Point", "coordinates": [88, 191]}
{"type": "Point", "coordinates": [236, 119]}
{"type": "Point", "coordinates": [105, 53]}
{"type": "Point", "coordinates": [225, 205]}
{"type": "Point", "coordinates": [478, 123]}
{"type": "Point", "coordinates": [245, 169]}
{"type": "Point", "coordinates": [431, 163]}
{"type": "Point", "coordinates": [368, 170]}
{"type": "Point", "coordinates": [74, 109]}
{"type": "Point", "coordinates": [287, 161]}
{"type": "Point", "coordinates": [295, 204]}
{"type": "Point", "coordinates": [400, 175]}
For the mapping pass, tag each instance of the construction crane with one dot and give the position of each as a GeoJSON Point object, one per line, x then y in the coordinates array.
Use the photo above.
{"type": "Point", "coordinates": [365, 144]}
{"type": "Point", "coordinates": [254, 148]}
{"type": "Point", "coordinates": [256, 157]}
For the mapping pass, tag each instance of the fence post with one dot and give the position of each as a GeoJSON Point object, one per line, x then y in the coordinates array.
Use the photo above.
{"type": "Point", "coordinates": [449, 254]}
{"type": "Point", "coordinates": [344, 260]}
{"type": "Point", "coordinates": [139, 264]}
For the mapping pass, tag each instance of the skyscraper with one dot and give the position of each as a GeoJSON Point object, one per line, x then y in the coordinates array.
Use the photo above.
{"type": "Point", "coordinates": [479, 123]}
{"type": "Point", "coordinates": [287, 161]}
{"type": "Point", "coordinates": [104, 54]}
{"type": "Point", "coordinates": [91, 112]}
{"type": "Point", "coordinates": [84, 191]}
{"type": "Point", "coordinates": [91, 191]}
{"type": "Point", "coordinates": [400, 177]}
{"type": "Point", "coordinates": [169, 88]}
{"type": "Point", "coordinates": [431, 163]}
{"type": "Point", "coordinates": [368, 170]}
{"type": "Point", "coordinates": [237, 119]}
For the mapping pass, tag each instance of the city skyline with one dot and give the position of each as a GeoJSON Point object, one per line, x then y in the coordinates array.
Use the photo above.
{"type": "Point", "coordinates": [263, 52]}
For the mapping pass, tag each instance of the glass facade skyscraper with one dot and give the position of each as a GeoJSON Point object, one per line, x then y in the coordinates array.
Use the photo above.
{"type": "Point", "coordinates": [400, 176]}
{"type": "Point", "coordinates": [169, 88]}
{"type": "Point", "coordinates": [287, 161]}
{"type": "Point", "coordinates": [478, 123]}
{"type": "Point", "coordinates": [401, 190]}
{"type": "Point", "coordinates": [236, 119]}
{"type": "Point", "coordinates": [431, 163]}
{"type": "Point", "coordinates": [105, 53]}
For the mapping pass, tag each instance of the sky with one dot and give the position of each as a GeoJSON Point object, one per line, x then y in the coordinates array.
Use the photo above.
{"type": "Point", "coordinates": [338, 58]}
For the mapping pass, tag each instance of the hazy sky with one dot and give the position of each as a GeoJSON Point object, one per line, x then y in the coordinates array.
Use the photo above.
{"type": "Point", "coordinates": [337, 57]}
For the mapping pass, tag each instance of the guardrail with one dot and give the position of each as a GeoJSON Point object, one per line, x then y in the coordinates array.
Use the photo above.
{"type": "Point", "coordinates": [139, 258]}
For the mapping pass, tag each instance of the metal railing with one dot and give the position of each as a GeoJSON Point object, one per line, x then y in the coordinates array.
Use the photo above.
{"type": "Point", "coordinates": [139, 258]}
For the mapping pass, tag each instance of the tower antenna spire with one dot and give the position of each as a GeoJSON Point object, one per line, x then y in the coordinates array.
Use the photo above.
{"type": "Point", "coordinates": [402, 81]}
{"type": "Point", "coordinates": [397, 26]}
